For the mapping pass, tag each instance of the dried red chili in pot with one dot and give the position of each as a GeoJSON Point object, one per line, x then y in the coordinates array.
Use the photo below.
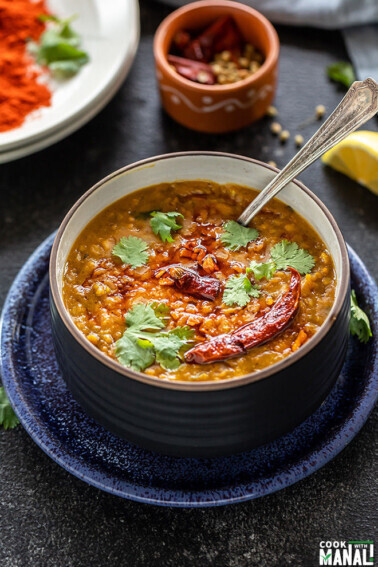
{"type": "Point", "coordinates": [218, 55]}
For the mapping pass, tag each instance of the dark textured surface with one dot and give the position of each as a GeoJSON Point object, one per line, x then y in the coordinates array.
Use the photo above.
{"type": "Point", "coordinates": [49, 518]}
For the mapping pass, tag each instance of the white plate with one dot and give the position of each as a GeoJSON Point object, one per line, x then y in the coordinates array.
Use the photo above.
{"type": "Point", "coordinates": [110, 32]}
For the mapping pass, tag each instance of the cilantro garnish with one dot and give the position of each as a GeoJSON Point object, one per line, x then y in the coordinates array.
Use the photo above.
{"type": "Point", "coordinates": [288, 254]}
{"type": "Point", "coordinates": [131, 353]}
{"type": "Point", "coordinates": [184, 333]}
{"type": "Point", "coordinates": [284, 254]}
{"type": "Point", "coordinates": [144, 342]}
{"type": "Point", "coordinates": [262, 269]}
{"type": "Point", "coordinates": [143, 317]}
{"type": "Point", "coordinates": [131, 250]}
{"type": "Point", "coordinates": [8, 418]}
{"type": "Point", "coordinates": [167, 348]}
{"type": "Point", "coordinates": [342, 72]}
{"type": "Point", "coordinates": [161, 309]}
{"type": "Point", "coordinates": [163, 223]}
{"type": "Point", "coordinates": [359, 322]}
{"type": "Point", "coordinates": [58, 48]}
{"type": "Point", "coordinates": [236, 236]}
{"type": "Point", "coordinates": [239, 290]}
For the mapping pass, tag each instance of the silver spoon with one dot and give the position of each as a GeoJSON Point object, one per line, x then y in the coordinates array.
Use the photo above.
{"type": "Point", "coordinates": [358, 105]}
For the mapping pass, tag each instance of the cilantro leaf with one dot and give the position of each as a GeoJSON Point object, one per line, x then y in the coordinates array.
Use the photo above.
{"type": "Point", "coordinates": [62, 28]}
{"type": "Point", "coordinates": [58, 48]}
{"type": "Point", "coordinates": [139, 347]}
{"type": "Point", "coordinates": [163, 223]}
{"type": "Point", "coordinates": [142, 318]}
{"type": "Point", "coordinates": [359, 322]}
{"type": "Point", "coordinates": [169, 345]}
{"type": "Point", "coordinates": [131, 250]}
{"type": "Point", "coordinates": [288, 254]}
{"type": "Point", "coordinates": [65, 69]}
{"type": "Point", "coordinates": [262, 269]}
{"type": "Point", "coordinates": [167, 350]}
{"type": "Point", "coordinates": [130, 353]}
{"type": "Point", "coordinates": [134, 349]}
{"type": "Point", "coordinates": [186, 333]}
{"type": "Point", "coordinates": [48, 18]}
{"type": "Point", "coordinates": [236, 236]}
{"type": "Point", "coordinates": [64, 24]}
{"type": "Point", "coordinates": [342, 72]}
{"type": "Point", "coordinates": [239, 290]}
{"type": "Point", "coordinates": [161, 309]}
{"type": "Point", "coordinates": [8, 418]}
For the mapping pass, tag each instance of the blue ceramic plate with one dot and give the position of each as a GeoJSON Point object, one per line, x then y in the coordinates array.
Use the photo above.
{"type": "Point", "coordinates": [61, 428]}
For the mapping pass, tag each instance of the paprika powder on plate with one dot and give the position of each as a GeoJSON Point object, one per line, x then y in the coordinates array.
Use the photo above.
{"type": "Point", "coordinates": [21, 91]}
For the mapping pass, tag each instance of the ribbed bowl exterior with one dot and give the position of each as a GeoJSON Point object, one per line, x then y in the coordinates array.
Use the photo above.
{"type": "Point", "coordinates": [202, 423]}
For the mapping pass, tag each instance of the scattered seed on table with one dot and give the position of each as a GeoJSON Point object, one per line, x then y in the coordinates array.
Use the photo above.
{"type": "Point", "coordinates": [275, 128]}
{"type": "Point", "coordinates": [272, 111]}
{"type": "Point", "coordinates": [284, 136]}
{"type": "Point", "coordinates": [272, 163]}
{"type": "Point", "coordinates": [320, 111]}
{"type": "Point", "coordinates": [298, 140]}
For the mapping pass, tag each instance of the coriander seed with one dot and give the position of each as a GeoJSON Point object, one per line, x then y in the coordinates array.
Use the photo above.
{"type": "Point", "coordinates": [298, 140]}
{"type": "Point", "coordinates": [243, 73]}
{"type": "Point", "coordinates": [202, 77]}
{"type": "Point", "coordinates": [320, 111]}
{"type": "Point", "coordinates": [272, 111]}
{"type": "Point", "coordinates": [275, 128]}
{"type": "Point", "coordinates": [284, 136]}
{"type": "Point", "coordinates": [217, 69]}
{"type": "Point", "coordinates": [244, 62]}
{"type": "Point", "coordinates": [248, 50]}
{"type": "Point", "coordinates": [225, 55]}
{"type": "Point", "coordinates": [254, 66]}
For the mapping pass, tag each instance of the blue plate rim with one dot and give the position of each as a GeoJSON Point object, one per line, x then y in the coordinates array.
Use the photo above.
{"type": "Point", "coordinates": [312, 462]}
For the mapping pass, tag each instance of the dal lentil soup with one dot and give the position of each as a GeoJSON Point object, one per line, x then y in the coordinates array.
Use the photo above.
{"type": "Point", "coordinates": [166, 282]}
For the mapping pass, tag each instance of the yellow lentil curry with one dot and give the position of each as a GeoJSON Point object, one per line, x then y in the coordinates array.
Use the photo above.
{"type": "Point", "coordinates": [247, 277]}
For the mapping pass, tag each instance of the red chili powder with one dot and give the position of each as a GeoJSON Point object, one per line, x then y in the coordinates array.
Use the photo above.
{"type": "Point", "coordinates": [20, 91]}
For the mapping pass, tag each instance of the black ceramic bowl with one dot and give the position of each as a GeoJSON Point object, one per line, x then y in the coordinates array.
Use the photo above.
{"type": "Point", "coordinates": [207, 418]}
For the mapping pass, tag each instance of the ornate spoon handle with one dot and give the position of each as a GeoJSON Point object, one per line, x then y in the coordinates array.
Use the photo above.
{"type": "Point", "coordinates": [358, 105]}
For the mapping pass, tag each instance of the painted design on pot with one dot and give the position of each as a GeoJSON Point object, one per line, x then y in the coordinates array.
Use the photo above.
{"type": "Point", "coordinates": [229, 105]}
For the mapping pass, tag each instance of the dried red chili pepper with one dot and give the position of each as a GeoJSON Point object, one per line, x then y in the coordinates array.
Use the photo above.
{"type": "Point", "coordinates": [192, 70]}
{"type": "Point", "coordinates": [188, 281]}
{"type": "Point", "coordinates": [230, 40]}
{"type": "Point", "coordinates": [222, 32]}
{"type": "Point", "coordinates": [252, 334]}
{"type": "Point", "coordinates": [181, 40]}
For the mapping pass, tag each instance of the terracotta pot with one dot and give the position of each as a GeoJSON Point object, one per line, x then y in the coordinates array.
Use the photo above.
{"type": "Point", "coordinates": [217, 108]}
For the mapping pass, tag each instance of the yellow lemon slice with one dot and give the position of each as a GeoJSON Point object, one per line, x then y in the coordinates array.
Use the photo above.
{"type": "Point", "coordinates": [357, 157]}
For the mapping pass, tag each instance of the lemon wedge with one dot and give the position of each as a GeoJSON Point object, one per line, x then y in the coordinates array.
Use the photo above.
{"type": "Point", "coordinates": [357, 157]}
